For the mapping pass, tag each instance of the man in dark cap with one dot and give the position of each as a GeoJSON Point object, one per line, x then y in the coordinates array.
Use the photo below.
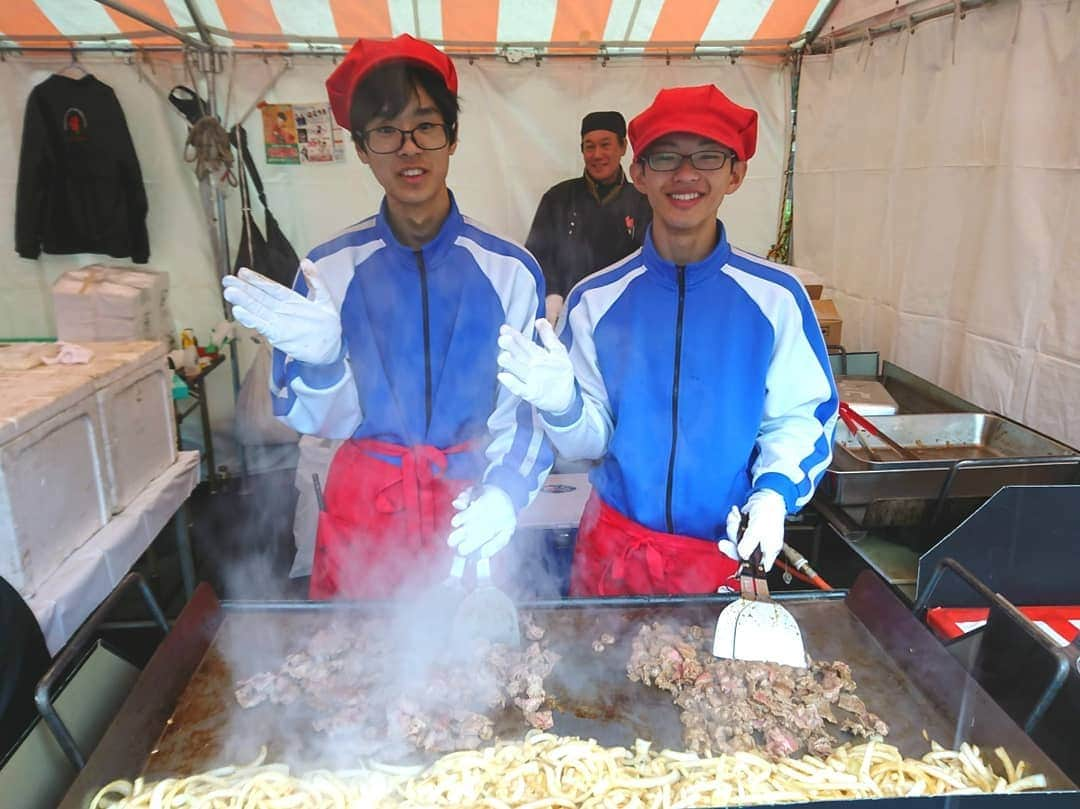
{"type": "Point", "coordinates": [586, 223]}
{"type": "Point", "coordinates": [388, 339]}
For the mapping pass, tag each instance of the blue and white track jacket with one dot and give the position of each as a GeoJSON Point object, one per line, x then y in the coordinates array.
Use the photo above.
{"type": "Point", "coordinates": [696, 385]}
{"type": "Point", "coordinates": [420, 331]}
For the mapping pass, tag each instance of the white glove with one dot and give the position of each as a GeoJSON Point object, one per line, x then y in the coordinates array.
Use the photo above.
{"type": "Point", "coordinates": [541, 375]}
{"type": "Point", "coordinates": [766, 510]}
{"type": "Point", "coordinates": [485, 521]}
{"type": "Point", "coordinates": [307, 329]}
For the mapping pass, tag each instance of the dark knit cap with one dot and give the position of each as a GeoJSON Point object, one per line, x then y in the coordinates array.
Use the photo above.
{"type": "Point", "coordinates": [609, 121]}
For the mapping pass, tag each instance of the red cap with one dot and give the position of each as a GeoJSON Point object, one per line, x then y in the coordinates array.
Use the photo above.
{"type": "Point", "coordinates": [703, 111]}
{"type": "Point", "coordinates": [368, 54]}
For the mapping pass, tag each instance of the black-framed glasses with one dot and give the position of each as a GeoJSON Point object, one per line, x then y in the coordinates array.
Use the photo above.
{"type": "Point", "coordinates": [705, 160]}
{"type": "Point", "coordinates": [387, 139]}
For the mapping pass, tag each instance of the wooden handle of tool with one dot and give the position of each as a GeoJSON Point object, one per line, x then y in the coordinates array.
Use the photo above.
{"type": "Point", "coordinates": [754, 562]}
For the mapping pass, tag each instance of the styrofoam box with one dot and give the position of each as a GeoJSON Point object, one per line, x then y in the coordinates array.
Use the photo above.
{"type": "Point", "coordinates": [100, 302]}
{"type": "Point", "coordinates": [53, 495]}
{"type": "Point", "coordinates": [133, 389]}
{"type": "Point", "coordinates": [867, 397]}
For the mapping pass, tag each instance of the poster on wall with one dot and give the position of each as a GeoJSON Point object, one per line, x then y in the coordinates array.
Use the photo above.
{"type": "Point", "coordinates": [301, 133]}
{"type": "Point", "coordinates": [321, 141]}
{"type": "Point", "coordinates": [279, 133]}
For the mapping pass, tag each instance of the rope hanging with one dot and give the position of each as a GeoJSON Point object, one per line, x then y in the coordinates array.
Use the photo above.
{"type": "Point", "coordinates": [207, 146]}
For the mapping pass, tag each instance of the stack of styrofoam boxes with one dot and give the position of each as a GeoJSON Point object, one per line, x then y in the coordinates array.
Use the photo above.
{"type": "Point", "coordinates": [77, 444]}
{"type": "Point", "coordinates": [112, 303]}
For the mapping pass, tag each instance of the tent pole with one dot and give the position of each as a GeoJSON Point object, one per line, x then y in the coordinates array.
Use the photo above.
{"type": "Point", "coordinates": [222, 236]}
{"type": "Point", "coordinates": [157, 25]}
{"type": "Point", "coordinates": [224, 268]}
{"type": "Point", "coordinates": [699, 51]}
{"type": "Point", "coordinates": [208, 65]}
{"type": "Point", "coordinates": [821, 21]}
{"type": "Point", "coordinates": [200, 23]}
{"type": "Point", "coordinates": [853, 33]}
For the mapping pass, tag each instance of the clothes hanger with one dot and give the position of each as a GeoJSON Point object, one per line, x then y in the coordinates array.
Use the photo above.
{"type": "Point", "coordinates": [73, 65]}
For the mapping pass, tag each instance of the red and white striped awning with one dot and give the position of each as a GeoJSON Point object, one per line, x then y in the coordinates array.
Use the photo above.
{"type": "Point", "coordinates": [479, 26]}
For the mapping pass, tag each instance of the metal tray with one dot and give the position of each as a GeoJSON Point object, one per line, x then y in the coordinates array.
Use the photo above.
{"type": "Point", "coordinates": [178, 717]}
{"type": "Point", "coordinates": [995, 452]}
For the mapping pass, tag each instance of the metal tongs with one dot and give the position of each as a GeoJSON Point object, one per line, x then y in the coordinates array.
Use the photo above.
{"type": "Point", "coordinates": [854, 420]}
{"type": "Point", "coordinates": [754, 627]}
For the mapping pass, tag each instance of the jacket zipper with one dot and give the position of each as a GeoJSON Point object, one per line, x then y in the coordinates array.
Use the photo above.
{"type": "Point", "coordinates": [680, 273]}
{"type": "Point", "coordinates": [427, 339]}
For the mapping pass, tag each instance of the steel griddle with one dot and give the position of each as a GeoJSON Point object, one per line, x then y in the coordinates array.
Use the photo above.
{"type": "Point", "coordinates": [181, 717]}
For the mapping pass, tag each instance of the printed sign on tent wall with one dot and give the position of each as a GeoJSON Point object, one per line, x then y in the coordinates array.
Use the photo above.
{"type": "Point", "coordinates": [301, 133]}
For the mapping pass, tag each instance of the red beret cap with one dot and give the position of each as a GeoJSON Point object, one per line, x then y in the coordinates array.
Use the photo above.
{"type": "Point", "coordinates": [703, 111]}
{"type": "Point", "coordinates": [368, 54]}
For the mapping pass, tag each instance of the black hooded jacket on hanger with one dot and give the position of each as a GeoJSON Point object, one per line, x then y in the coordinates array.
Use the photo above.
{"type": "Point", "coordinates": [80, 188]}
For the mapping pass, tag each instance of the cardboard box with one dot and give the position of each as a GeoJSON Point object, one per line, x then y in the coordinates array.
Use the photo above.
{"type": "Point", "coordinates": [829, 320]}
{"type": "Point", "coordinates": [112, 303]}
{"type": "Point", "coordinates": [813, 283]}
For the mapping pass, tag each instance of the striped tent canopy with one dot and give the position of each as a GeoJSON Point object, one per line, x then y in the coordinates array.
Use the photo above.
{"type": "Point", "coordinates": [548, 27]}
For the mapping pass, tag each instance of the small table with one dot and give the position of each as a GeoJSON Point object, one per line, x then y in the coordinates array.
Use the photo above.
{"type": "Point", "coordinates": [196, 382]}
{"type": "Point", "coordinates": [558, 505]}
{"type": "Point", "coordinates": [546, 533]}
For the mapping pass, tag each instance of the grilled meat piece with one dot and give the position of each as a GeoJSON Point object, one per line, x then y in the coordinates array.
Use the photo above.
{"type": "Point", "coordinates": [731, 705]}
{"type": "Point", "coordinates": [354, 681]}
{"type": "Point", "coordinates": [255, 690]}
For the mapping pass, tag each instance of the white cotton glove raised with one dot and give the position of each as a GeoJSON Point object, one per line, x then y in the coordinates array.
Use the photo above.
{"type": "Point", "coordinates": [307, 329]}
{"type": "Point", "coordinates": [540, 374]}
{"type": "Point", "coordinates": [766, 511]}
{"type": "Point", "coordinates": [485, 521]}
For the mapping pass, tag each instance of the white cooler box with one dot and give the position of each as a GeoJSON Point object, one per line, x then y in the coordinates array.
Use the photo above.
{"type": "Point", "coordinates": [133, 389]}
{"type": "Point", "coordinates": [867, 397]}
{"type": "Point", "coordinates": [100, 302]}
{"type": "Point", "coordinates": [53, 493]}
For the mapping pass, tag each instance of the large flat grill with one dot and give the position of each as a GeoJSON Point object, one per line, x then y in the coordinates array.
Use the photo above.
{"type": "Point", "coordinates": [181, 712]}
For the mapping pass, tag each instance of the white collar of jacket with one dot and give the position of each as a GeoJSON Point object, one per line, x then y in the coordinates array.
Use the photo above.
{"type": "Point", "coordinates": [433, 251]}
{"type": "Point", "coordinates": [667, 272]}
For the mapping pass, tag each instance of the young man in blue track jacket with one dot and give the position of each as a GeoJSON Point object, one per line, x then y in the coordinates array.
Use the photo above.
{"type": "Point", "coordinates": [388, 339]}
{"type": "Point", "coordinates": [694, 373]}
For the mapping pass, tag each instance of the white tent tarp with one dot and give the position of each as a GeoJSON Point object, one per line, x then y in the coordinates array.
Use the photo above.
{"type": "Point", "coordinates": [938, 193]}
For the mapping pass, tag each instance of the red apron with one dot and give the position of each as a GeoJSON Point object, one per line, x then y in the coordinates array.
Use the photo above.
{"type": "Point", "coordinates": [617, 556]}
{"type": "Point", "coordinates": [383, 527]}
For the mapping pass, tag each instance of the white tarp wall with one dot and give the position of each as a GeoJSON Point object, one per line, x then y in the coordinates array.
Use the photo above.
{"type": "Point", "coordinates": [519, 135]}
{"type": "Point", "coordinates": [937, 190]}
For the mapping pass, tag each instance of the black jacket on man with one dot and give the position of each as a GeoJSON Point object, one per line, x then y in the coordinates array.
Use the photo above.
{"type": "Point", "coordinates": [580, 227]}
{"type": "Point", "coordinates": [80, 188]}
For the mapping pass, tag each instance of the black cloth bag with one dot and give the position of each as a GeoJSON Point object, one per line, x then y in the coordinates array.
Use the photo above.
{"type": "Point", "coordinates": [271, 254]}
{"type": "Point", "coordinates": [266, 251]}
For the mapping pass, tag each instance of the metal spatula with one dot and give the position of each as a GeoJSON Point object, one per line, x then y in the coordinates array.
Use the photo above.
{"type": "Point", "coordinates": [755, 627]}
{"type": "Point", "coordinates": [487, 613]}
{"type": "Point", "coordinates": [429, 617]}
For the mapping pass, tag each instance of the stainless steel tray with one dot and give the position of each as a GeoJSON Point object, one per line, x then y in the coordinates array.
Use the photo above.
{"type": "Point", "coordinates": [998, 451]}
